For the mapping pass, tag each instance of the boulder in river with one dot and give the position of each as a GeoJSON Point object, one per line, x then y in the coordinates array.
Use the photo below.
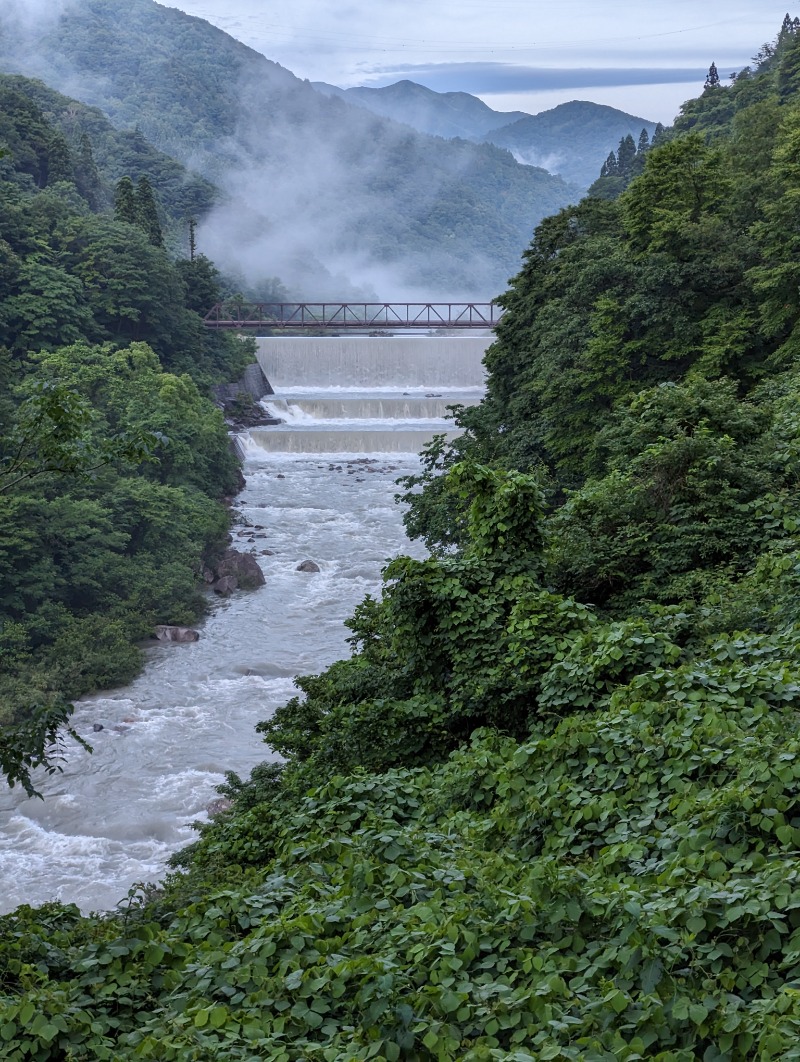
{"type": "Point", "coordinates": [307, 566]}
{"type": "Point", "coordinates": [225, 586]}
{"type": "Point", "coordinates": [166, 633]}
{"type": "Point", "coordinates": [243, 568]}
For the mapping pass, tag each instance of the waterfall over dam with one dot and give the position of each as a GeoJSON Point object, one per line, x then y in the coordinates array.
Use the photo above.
{"type": "Point", "coordinates": [355, 362]}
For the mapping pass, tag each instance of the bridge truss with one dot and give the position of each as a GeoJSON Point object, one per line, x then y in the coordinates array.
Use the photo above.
{"type": "Point", "coordinates": [353, 316]}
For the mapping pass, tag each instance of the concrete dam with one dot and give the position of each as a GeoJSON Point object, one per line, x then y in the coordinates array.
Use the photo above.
{"type": "Point", "coordinates": [397, 362]}
{"type": "Point", "coordinates": [366, 394]}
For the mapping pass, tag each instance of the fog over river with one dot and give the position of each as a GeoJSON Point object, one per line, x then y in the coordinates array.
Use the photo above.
{"type": "Point", "coordinates": [320, 487]}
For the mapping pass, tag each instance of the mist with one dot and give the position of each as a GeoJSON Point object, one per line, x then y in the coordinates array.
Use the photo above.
{"type": "Point", "coordinates": [333, 200]}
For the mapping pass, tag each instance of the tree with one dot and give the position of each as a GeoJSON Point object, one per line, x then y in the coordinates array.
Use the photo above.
{"type": "Point", "coordinates": [87, 179]}
{"type": "Point", "coordinates": [59, 160]}
{"type": "Point", "coordinates": [626, 155]}
{"type": "Point", "coordinates": [610, 167]}
{"type": "Point", "coordinates": [644, 143]}
{"type": "Point", "coordinates": [147, 212]}
{"type": "Point", "coordinates": [125, 201]}
{"type": "Point", "coordinates": [52, 433]}
{"type": "Point", "coordinates": [712, 79]}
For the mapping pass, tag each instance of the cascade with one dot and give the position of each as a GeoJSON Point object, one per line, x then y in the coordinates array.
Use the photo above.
{"type": "Point", "coordinates": [319, 486]}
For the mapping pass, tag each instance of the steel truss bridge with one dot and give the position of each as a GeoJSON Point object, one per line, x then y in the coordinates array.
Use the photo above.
{"type": "Point", "coordinates": [353, 316]}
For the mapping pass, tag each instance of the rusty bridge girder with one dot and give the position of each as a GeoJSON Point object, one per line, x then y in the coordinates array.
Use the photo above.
{"type": "Point", "coordinates": [353, 316]}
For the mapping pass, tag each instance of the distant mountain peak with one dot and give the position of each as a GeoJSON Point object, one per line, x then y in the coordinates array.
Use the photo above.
{"type": "Point", "coordinates": [572, 139]}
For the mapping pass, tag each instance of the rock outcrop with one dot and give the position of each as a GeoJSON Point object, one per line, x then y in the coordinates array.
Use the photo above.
{"type": "Point", "coordinates": [243, 567]}
{"type": "Point", "coordinates": [166, 633]}
{"type": "Point", "coordinates": [240, 401]}
{"type": "Point", "coordinates": [234, 571]}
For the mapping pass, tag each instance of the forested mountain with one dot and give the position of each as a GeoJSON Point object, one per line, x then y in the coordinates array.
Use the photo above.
{"type": "Point", "coordinates": [447, 114]}
{"type": "Point", "coordinates": [572, 140]}
{"type": "Point", "coordinates": [321, 193]}
{"type": "Point", "coordinates": [112, 459]}
{"type": "Point", "coordinates": [550, 808]}
{"type": "Point", "coordinates": [99, 154]}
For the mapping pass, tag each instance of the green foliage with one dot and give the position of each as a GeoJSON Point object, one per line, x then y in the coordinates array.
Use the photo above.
{"type": "Point", "coordinates": [110, 467]}
{"type": "Point", "coordinates": [550, 806]}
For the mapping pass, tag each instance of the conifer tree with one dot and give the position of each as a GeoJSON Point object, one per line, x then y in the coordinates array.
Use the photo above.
{"type": "Point", "coordinates": [87, 179]}
{"type": "Point", "coordinates": [644, 143]}
{"type": "Point", "coordinates": [658, 135]}
{"type": "Point", "coordinates": [59, 160]}
{"type": "Point", "coordinates": [147, 212]}
{"type": "Point", "coordinates": [712, 80]}
{"type": "Point", "coordinates": [626, 154]}
{"type": "Point", "coordinates": [125, 201]}
{"type": "Point", "coordinates": [609, 167]}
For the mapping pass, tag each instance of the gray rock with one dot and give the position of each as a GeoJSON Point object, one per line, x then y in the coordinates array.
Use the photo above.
{"type": "Point", "coordinates": [307, 566]}
{"type": "Point", "coordinates": [166, 633]}
{"type": "Point", "coordinates": [97, 727]}
{"type": "Point", "coordinates": [225, 586]}
{"type": "Point", "coordinates": [243, 568]}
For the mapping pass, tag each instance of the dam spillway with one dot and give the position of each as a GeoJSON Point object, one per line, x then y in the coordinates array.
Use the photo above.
{"type": "Point", "coordinates": [366, 394]}
{"type": "Point", "coordinates": [401, 363]}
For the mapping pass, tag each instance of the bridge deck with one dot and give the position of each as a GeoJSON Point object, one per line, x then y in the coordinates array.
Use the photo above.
{"type": "Point", "coordinates": [355, 316]}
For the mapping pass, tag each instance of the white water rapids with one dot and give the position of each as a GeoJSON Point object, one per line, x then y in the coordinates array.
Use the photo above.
{"type": "Point", "coordinates": [320, 487]}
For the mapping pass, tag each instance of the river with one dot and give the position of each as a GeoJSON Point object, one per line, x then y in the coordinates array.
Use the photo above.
{"type": "Point", "coordinates": [319, 487]}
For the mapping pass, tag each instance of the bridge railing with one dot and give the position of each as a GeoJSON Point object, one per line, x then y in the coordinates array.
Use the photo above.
{"type": "Point", "coordinates": [353, 315]}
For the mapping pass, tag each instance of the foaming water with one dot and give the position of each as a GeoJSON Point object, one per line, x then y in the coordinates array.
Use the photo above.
{"type": "Point", "coordinates": [112, 819]}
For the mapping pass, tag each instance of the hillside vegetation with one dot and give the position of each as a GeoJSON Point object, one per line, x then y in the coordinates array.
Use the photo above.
{"type": "Point", "coordinates": [327, 193]}
{"type": "Point", "coordinates": [112, 459]}
{"type": "Point", "coordinates": [550, 807]}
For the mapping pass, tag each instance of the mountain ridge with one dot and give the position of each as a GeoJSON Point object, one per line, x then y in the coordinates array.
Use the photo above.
{"type": "Point", "coordinates": [591, 130]}
{"type": "Point", "coordinates": [325, 194]}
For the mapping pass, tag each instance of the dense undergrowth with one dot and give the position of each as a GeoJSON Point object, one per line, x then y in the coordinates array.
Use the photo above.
{"type": "Point", "coordinates": [550, 807]}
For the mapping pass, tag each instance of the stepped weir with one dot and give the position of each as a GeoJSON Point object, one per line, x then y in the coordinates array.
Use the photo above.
{"type": "Point", "coordinates": [366, 394]}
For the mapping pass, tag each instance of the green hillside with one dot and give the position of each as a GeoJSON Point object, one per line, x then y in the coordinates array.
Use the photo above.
{"type": "Point", "coordinates": [113, 461]}
{"type": "Point", "coordinates": [313, 180]}
{"type": "Point", "coordinates": [550, 807]}
{"type": "Point", "coordinates": [572, 140]}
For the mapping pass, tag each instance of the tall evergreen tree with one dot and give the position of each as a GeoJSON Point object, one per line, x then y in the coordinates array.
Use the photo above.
{"type": "Point", "coordinates": [626, 154]}
{"type": "Point", "coordinates": [788, 28]}
{"type": "Point", "coordinates": [59, 160]}
{"type": "Point", "coordinates": [87, 179]}
{"type": "Point", "coordinates": [147, 212]}
{"type": "Point", "coordinates": [125, 201]}
{"type": "Point", "coordinates": [712, 79]}
{"type": "Point", "coordinates": [610, 167]}
{"type": "Point", "coordinates": [644, 143]}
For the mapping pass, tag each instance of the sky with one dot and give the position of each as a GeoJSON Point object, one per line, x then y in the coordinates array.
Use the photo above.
{"type": "Point", "coordinates": [643, 56]}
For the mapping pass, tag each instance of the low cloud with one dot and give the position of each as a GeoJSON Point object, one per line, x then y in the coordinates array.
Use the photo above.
{"type": "Point", "coordinates": [32, 14]}
{"type": "Point", "coordinates": [480, 78]}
